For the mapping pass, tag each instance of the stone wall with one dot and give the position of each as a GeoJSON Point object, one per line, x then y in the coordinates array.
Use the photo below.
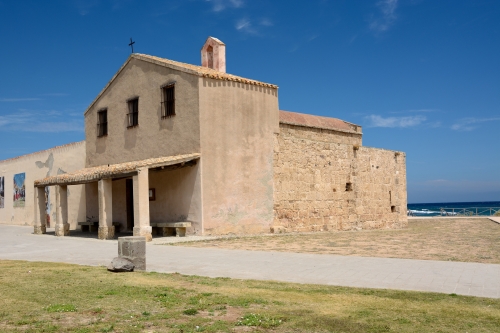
{"type": "Point", "coordinates": [325, 180]}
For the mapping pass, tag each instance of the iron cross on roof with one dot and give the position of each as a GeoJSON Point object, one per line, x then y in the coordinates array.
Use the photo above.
{"type": "Point", "coordinates": [131, 45]}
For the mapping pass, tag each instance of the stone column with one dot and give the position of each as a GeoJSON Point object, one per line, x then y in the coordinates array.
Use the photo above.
{"type": "Point", "coordinates": [105, 196]}
{"type": "Point", "coordinates": [62, 225]}
{"type": "Point", "coordinates": [40, 223]}
{"type": "Point", "coordinates": [141, 204]}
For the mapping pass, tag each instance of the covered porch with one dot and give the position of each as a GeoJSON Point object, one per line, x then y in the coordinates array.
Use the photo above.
{"type": "Point", "coordinates": [138, 174]}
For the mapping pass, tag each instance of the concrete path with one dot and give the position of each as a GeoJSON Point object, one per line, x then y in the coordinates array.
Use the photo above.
{"type": "Point", "coordinates": [495, 219]}
{"type": "Point", "coordinates": [424, 275]}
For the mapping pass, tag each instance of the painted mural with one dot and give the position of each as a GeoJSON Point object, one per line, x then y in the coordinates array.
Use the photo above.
{"type": "Point", "coordinates": [2, 192]}
{"type": "Point", "coordinates": [19, 190]}
{"type": "Point", "coordinates": [47, 205]}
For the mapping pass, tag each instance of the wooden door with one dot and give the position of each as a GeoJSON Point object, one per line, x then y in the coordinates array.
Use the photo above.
{"type": "Point", "coordinates": [130, 204]}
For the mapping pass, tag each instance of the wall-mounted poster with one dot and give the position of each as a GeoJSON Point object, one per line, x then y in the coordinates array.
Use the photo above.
{"type": "Point", "coordinates": [2, 191]}
{"type": "Point", "coordinates": [47, 205]}
{"type": "Point", "coordinates": [19, 190]}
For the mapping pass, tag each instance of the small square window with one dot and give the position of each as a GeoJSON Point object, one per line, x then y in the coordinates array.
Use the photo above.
{"type": "Point", "coordinates": [348, 187]}
{"type": "Point", "coordinates": [102, 123]}
{"type": "Point", "coordinates": [168, 102]}
{"type": "Point", "coordinates": [133, 112]}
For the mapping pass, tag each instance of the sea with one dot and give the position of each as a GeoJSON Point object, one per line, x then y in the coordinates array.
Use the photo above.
{"type": "Point", "coordinates": [483, 208]}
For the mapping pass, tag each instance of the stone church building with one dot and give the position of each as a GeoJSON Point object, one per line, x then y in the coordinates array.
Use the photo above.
{"type": "Point", "coordinates": [172, 147]}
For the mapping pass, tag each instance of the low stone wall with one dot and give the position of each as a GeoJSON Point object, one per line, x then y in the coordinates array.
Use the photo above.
{"type": "Point", "coordinates": [329, 136]}
{"type": "Point", "coordinates": [324, 180]}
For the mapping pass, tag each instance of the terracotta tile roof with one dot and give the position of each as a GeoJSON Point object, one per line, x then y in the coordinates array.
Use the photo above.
{"type": "Point", "coordinates": [187, 68]}
{"type": "Point", "coordinates": [201, 71]}
{"type": "Point", "coordinates": [307, 120]}
{"type": "Point", "coordinates": [114, 170]}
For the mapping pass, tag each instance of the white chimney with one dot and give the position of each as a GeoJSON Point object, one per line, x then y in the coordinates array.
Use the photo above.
{"type": "Point", "coordinates": [213, 54]}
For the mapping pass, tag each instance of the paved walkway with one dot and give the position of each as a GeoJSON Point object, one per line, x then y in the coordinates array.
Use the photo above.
{"type": "Point", "coordinates": [425, 275]}
{"type": "Point", "coordinates": [495, 219]}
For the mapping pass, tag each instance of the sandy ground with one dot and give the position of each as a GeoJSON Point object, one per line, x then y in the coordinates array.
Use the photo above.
{"type": "Point", "coordinates": [445, 239]}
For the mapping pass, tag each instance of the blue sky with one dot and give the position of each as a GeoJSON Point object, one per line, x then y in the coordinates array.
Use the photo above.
{"type": "Point", "coordinates": [420, 76]}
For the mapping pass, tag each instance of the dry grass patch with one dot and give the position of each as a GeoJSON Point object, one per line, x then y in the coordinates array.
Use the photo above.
{"type": "Point", "coordinates": [70, 298]}
{"type": "Point", "coordinates": [446, 239]}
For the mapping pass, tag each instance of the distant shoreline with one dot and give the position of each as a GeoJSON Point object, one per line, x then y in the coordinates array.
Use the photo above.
{"type": "Point", "coordinates": [454, 202]}
{"type": "Point", "coordinates": [454, 209]}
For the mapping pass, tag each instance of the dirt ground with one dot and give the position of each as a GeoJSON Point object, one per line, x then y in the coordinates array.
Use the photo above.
{"type": "Point", "coordinates": [445, 239]}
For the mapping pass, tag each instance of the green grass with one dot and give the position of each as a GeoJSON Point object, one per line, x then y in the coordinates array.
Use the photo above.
{"type": "Point", "coordinates": [70, 298]}
{"type": "Point", "coordinates": [61, 308]}
{"type": "Point", "coordinates": [252, 319]}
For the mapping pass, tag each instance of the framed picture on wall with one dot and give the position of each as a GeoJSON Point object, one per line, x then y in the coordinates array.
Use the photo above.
{"type": "Point", "coordinates": [152, 194]}
{"type": "Point", "coordinates": [2, 191]}
{"type": "Point", "coordinates": [19, 190]}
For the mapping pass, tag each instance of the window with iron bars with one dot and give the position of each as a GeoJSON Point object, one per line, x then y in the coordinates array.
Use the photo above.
{"type": "Point", "coordinates": [168, 102]}
{"type": "Point", "coordinates": [102, 123]}
{"type": "Point", "coordinates": [133, 112]}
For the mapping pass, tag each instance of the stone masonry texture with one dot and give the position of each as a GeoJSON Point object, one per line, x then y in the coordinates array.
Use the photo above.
{"type": "Point", "coordinates": [324, 180]}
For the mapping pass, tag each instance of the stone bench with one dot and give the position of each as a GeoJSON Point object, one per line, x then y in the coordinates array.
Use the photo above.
{"type": "Point", "coordinates": [177, 229]}
{"type": "Point", "coordinates": [89, 226]}
{"type": "Point", "coordinates": [93, 226]}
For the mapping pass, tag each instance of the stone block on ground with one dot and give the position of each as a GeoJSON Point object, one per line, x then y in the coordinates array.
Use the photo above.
{"type": "Point", "coordinates": [133, 248]}
{"type": "Point", "coordinates": [119, 264]}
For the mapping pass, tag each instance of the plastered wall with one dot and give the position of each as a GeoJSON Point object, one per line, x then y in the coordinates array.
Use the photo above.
{"type": "Point", "coordinates": [54, 161]}
{"type": "Point", "coordinates": [237, 124]}
{"type": "Point", "coordinates": [154, 136]}
{"type": "Point", "coordinates": [325, 181]}
{"type": "Point", "coordinates": [178, 197]}
{"type": "Point", "coordinates": [119, 202]}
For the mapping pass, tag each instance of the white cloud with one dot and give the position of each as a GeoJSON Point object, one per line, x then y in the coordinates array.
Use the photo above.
{"type": "Point", "coordinates": [237, 3]}
{"type": "Point", "coordinates": [43, 121]}
{"type": "Point", "coordinates": [18, 99]}
{"type": "Point", "coordinates": [417, 111]}
{"type": "Point", "coordinates": [84, 6]}
{"type": "Point", "coordinates": [266, 22]}
{"type": "Point", "coordinates": [246, 26]}
{"type": "Point", "coordinates": [379, 121]}
{"type": "Point", "coordinates": [470, 123]}
{"type": "Point", "coordinates": [220, 5]}
{"type": "Point", "coordinates": [119, 4]}
{"type": "Point", "coordinates": [54, 94]}
{"type": "Point", "coordinates": [56, 127]}
{"type": "Point", "coordinates": [242, 24]}
{"type": "Point", "coordinates": [312, 37]}
{"type": "Point", "coordinates": [387, 18]}
{"type": "Point", "coordinates": [13, 119]}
